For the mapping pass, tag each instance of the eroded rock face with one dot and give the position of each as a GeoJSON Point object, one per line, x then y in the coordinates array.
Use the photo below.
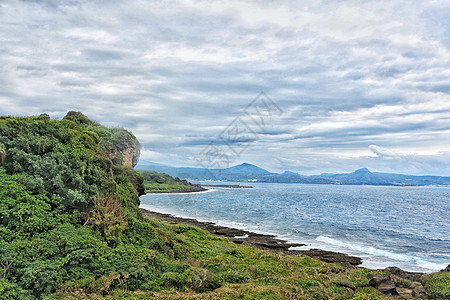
{"type": "Point", "coordinates": [124, 148]}
{"type": "Point", "coordinates": [127, 150]}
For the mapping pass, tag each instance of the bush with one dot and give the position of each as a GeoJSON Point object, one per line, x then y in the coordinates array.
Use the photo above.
{"type": "Point", "coordinates": [437, 285]}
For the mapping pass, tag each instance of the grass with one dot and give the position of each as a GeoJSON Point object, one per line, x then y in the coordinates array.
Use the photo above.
{"type": "Point", "coordinates": [209, 267]}
{"type": "Point", "coordinates": [154, 181]}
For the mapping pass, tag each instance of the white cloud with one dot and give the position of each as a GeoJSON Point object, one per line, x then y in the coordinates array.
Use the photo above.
{"type": "Point", "coordinates": [386, 153]}
{"type": "Point", "coordinates": [346, 74]}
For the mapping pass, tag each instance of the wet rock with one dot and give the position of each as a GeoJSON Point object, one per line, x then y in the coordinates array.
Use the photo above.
{"type": "Point", "coordinates": [333, 257]}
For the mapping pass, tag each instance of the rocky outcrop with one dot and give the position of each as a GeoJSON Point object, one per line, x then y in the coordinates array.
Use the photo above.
{"type": "Point", "coordinates": [260, 241]}
{"type": "Point", "coordinates": [126, 149]}
{"type": "Point", "coordinates": [396, 282]}
{"type": "Point", "coordinates": [333, 257]}
{"type": "Point", "coordinates": [121, 146]}
{"type": "Point", "coordinates": [412, 276]}
{"type": "Point", "coordinates": [384, 284]}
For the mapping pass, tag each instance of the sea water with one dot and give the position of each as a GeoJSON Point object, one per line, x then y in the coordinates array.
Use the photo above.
{"type": "Point", "coordinates": [407, 227]}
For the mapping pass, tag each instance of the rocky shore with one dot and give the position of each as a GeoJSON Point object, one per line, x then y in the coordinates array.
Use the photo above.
{"type": "Point", "coordinates": [390, 282]}
{"type": "Point", "coordinates": [229, 186]}
{"type": "Point", "coordinates": [260, 241]}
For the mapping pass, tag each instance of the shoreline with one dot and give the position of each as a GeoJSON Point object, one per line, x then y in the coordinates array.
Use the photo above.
{"type": "Point", "coordinates": [195, 188]}
{"type": "Point", "coordinates": [228, 186]}
{"type": "Point", "coordinates": [257, 240]}
{"type": "Point", "coordinates": [270, 243]}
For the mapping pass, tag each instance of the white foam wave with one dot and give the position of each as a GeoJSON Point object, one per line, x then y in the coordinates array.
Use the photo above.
{"type": "Point", "coordinates": [371, 251]}
{"type": "Point", "coordinates": [189, 193]}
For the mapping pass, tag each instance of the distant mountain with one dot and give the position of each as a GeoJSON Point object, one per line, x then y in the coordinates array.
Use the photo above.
{"type": "Point", "coordinates": [242, 172]}
{"type": "Point", "coordinates": [246, 169]}
{"type": "Point", "coordinates": [364, 176]}
{"type": "Point", "coordinates": [249, 172]}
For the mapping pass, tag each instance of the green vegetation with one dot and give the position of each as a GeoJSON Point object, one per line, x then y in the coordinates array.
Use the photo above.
{"type": "Point", "coordinates": [70, 227]}
{"type": "Point", "coordinates": [437, 285]}
{"type": "Point", "coordinates": [154, 181]}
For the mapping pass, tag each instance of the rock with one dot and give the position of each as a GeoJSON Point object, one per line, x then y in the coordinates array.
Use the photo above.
{"type": "Point", "coordinates": [333, 257]}
{"type": "Point", "coordinates": [447, 269]}
{"type": "Point", "coordinates": [405, 293]}
{"type": "Point", "coordinates": [126, 150]}
{"type": "Point", "coordinates": [412, 276]}
{"type": "Point", "coordinates": [384, 284]}
{"type": "Point", "coordinates": [419, 292]}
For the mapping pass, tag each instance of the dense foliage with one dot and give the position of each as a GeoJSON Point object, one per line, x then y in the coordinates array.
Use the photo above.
{"type": "Point", "coordinates": [154, 181]}
{"type": "Point", "coordinates": [70, 227]}
{"type": "Point", "coordinates": [66, 208]}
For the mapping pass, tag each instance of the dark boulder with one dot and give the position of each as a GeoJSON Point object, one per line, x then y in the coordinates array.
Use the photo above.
{"type": "Point", "coordinates": [384, 284]}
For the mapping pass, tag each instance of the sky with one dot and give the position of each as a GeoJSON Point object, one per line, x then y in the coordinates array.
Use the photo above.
{"type": "Point", "coordinates": [346, 84]}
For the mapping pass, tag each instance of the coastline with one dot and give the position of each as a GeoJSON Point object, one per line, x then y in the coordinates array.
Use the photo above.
{"type": "Point", "coordinates": [270, 243]}
{"type": "Point", "coordinates": [195, 188]}
{"type": "Point", "coordinates": [260, 241]}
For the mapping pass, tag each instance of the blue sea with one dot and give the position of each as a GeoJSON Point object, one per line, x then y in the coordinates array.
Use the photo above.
{"type": "Point", "coordinates": [407, 227]}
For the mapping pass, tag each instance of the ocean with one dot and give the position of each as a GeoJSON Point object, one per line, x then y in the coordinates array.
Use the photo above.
{"type": "Point", "coordinates": [407, 227]}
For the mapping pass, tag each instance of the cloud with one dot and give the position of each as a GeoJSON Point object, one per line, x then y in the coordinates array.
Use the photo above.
{"type": "Point", "coordinates": [346, 74]}
{"type": "Point", "coordinates": [386, 153]}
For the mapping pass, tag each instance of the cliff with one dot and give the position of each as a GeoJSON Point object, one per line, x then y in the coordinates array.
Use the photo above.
{"type": "Point", "coordinates": [126, 149]}
{"type": "Point", "coordinates": [122, 147]}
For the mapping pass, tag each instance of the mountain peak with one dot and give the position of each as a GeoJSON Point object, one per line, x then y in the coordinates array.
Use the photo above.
{"type": "Point", "coordinates": [246, 167]}
{"type": "Point", "coordinates": [362, 171]}
{"type": "Point", "coordinates": [289, 173]}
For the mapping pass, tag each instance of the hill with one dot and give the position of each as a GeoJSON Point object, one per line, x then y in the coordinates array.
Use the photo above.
{"type": "Point", "coordinates": [155, 182]}
{"type": "Point", "coordinates": [71, 228]}
{"type": "Point", "coordinates": [249, 172]}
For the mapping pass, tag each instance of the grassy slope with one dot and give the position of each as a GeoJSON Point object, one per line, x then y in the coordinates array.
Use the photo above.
{"type": "Point", "coordinates": [154, 181]}
{"type": "Point", "coordinates": [203, 262]}
{"type": "Point", "coordinates": [70, 228]}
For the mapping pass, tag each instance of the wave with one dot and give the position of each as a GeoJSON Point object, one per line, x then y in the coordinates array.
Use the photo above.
{"type": "Point", "coordinates": [188, 193]}
{"type": "Point", "coordinates": [371, 251]}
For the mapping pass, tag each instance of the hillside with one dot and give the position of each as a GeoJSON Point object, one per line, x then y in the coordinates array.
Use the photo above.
{"type": "Point", "coordinates": [155, 182]}
{"type": "Point", "coordinates": [71, 228]}
{"type": "Point", "coordinates": [249, 172]}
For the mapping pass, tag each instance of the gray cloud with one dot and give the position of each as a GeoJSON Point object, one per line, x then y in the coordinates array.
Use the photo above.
{"type": "Point", "coordinates": [347, 75]}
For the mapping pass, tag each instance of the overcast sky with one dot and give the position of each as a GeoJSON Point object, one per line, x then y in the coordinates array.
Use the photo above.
{"type": "Point", "coordinates": [358, 83]}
